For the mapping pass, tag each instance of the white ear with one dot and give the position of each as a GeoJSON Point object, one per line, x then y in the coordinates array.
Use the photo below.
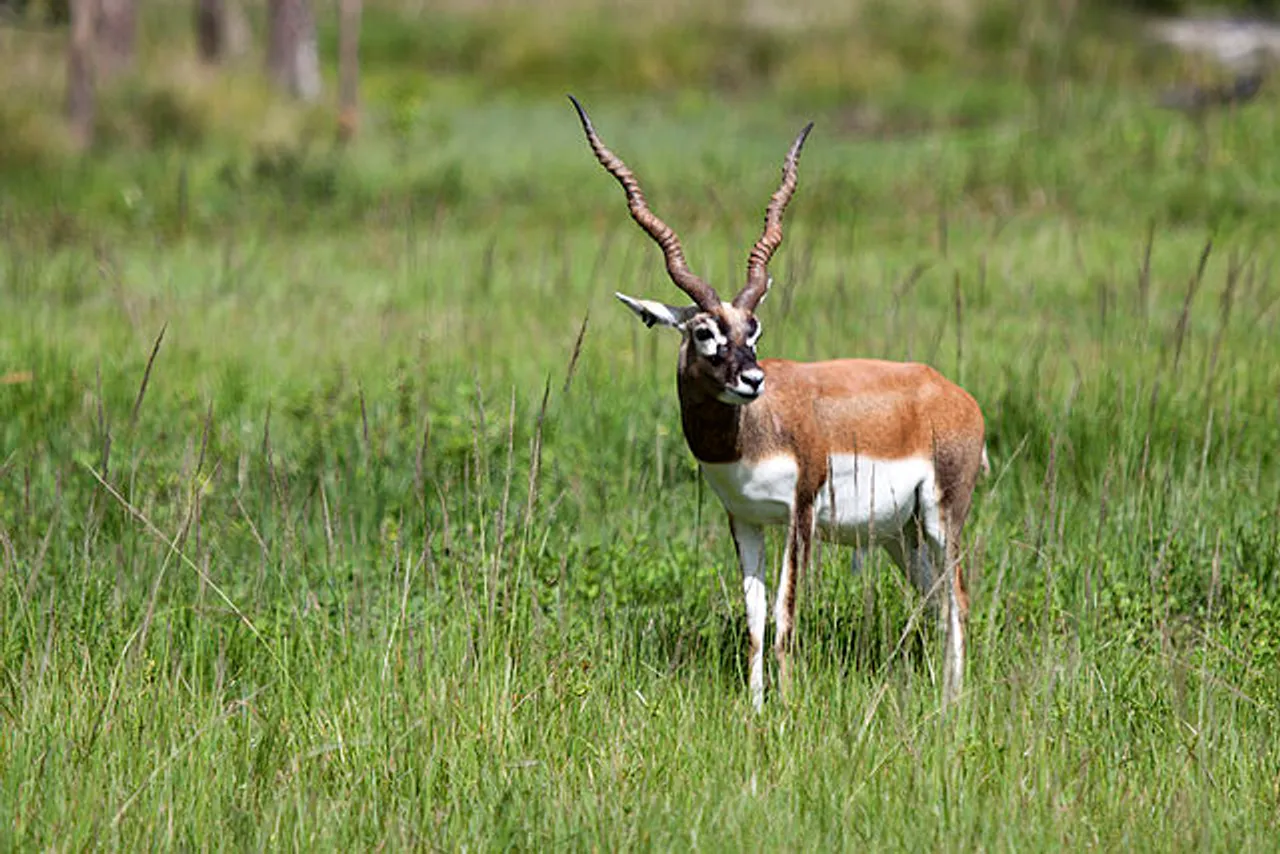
{"type": "Point", "coordinates": [651, 311]}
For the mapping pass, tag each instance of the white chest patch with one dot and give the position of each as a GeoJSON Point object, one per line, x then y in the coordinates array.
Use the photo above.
{"type": "Point", "coordinates": [861, 498]}
{"type": "Point", "coordinates": [760, 492]}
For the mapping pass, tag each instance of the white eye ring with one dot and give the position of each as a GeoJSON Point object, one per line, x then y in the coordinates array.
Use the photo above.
{"type": "Point", "coordinates": [707, 339]}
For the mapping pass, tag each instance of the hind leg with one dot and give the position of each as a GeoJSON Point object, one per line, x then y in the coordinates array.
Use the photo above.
{"type": "Point", "coordinates": [912, 553]}
{"type": "Point", "coordinates": [955, 615]}
{"type": "Point", "coordinates": [957, 598]}
{"type": "Point", "coordinates": [938, 548]}
{"type": "Point", "coordinates": [794, 560]}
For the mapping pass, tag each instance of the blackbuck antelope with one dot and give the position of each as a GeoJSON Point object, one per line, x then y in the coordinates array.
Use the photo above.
{"type": "Point", "coordinates": [859, 451]}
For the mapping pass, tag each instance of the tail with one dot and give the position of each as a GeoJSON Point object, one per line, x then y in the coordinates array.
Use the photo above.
{"type": "Point", "coordinates": [985, 468]}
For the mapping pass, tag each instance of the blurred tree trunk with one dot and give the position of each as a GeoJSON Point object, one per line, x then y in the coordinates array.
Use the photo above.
{"type": "Point", "coordinates": [293, 58]}
{"type": "Point", "coordinates": [348, 69]}
{"type": "Point", "coordinates": [80, 73]}
{"type": "Point", "coordinates": [222, 31]}
{"type": "Point", "coordinates": [115, 32]}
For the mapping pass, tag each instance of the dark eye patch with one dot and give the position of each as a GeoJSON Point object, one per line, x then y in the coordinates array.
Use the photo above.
{"type": "Point", "coordinates": [703, 334]}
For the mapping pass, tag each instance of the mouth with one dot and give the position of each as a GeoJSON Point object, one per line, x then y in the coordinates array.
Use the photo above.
{"type": "Point", "coordinates": [740, 395]}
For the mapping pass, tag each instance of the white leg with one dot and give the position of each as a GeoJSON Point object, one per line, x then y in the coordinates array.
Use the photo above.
{"type": "Point", "coordinates": [749, 540]}
{"type": "Point", "coordinates": [796, 556]}
{"type": "Point", "coordinates": [957, 616]}
{"type": "Point", "coordinates": [938, 552]}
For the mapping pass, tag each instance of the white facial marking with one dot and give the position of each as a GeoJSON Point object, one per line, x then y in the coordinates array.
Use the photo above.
{"type": "Point", "coordinates": [755, 335]}
{"type": "Point", "coordinates": [748, 387]}
{"type": "Point", "coordinates": [740, 394]}
{"type": "Point", "coordinates": [707, 338]}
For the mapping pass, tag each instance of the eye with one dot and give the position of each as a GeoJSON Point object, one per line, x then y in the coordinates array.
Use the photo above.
{"type": "Point", "coordinates": [703, 334]}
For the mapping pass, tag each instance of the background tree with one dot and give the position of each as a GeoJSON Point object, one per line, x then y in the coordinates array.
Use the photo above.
{"type": "Point", "coordinates": [222, 31]}
{"type": "Point", "coordinates": [348, 69]}
{"type": "Point", "coordinates": [293, 58]}
{"type": "Point", "coordinates": [115, 35]}
{"type": "Point", "coordinates": [80, 72]}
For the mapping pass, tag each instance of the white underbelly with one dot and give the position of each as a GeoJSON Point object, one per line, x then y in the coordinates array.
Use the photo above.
{"type": "Point", "coordinates": [861, 497]}
{"type": "Point", "coordinates": [864, 499]}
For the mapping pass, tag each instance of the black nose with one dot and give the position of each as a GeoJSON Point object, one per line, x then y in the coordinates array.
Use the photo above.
{"type": "Point", "coordinates": [752, 380]}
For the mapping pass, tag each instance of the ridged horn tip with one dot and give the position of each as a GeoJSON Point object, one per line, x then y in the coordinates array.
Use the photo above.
{"type": "Point", "coordinates": [804, 134]}
{"type": "Point", "coordinates": [582, 114]}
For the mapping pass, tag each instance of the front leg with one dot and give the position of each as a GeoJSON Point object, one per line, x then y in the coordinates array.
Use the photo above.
{"type": "Point", "coordinates": [748, 539]}
{"type": "Point", "coordinates": [799, 543]}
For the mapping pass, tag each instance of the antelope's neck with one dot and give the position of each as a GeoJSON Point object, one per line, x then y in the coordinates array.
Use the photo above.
{"type": "Point", "coordinates": [711, 428]}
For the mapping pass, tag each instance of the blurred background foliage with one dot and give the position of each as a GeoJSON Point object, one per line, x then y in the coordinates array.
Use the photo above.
{"type": "Point", "coordinates": [877, 67]}
{"type": "Point", "coordinates": [814, 48]}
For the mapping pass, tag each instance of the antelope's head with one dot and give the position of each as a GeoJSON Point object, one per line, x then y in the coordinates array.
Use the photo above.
{"type": "Point", "coordinates": [718, 352]}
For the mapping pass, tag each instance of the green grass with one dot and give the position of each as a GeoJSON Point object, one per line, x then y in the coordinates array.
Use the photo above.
{"type": "Point", "coordinates": [377, 560]}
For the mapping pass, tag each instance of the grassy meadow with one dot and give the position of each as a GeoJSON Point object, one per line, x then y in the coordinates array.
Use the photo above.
{"type": "Point", "coordinates": [341, 506]}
